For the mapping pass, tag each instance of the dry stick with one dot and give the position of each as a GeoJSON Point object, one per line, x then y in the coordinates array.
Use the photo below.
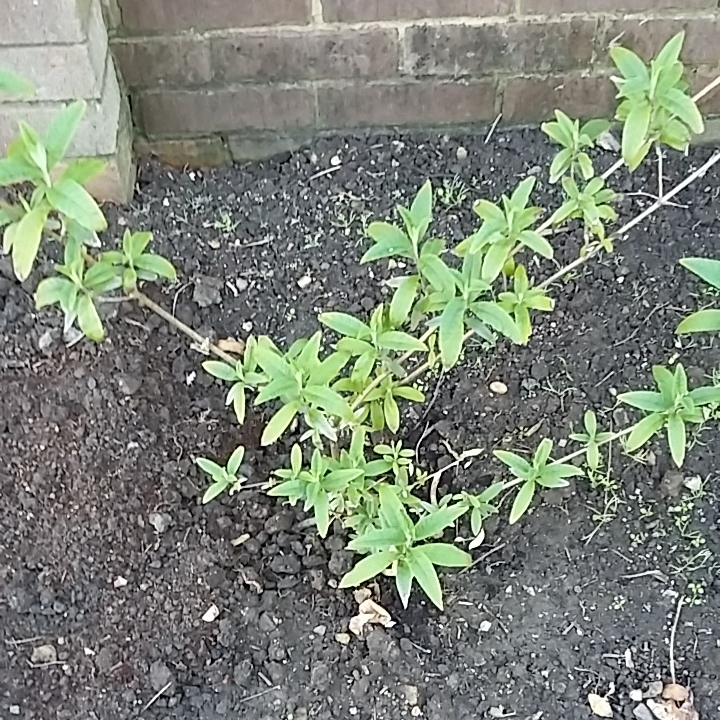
{"type": "Point", "coordinates": [673, 631]}
{"type": "Point", "coordinates": [144, 300]}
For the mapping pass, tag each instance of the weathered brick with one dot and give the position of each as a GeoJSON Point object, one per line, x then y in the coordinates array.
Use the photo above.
{"type": "Point", "coordinates": [47, 21]}
{"type": "Point", "coordinates": [369, 10]}
{"type": "Point", "coordinates": [178, 112]}
{"type": "Point", "coordinates": [171, 15]}
{"type": "Point", "coordinates": [462, 50]}
{"type": "Point", "coordinates": [324, 54]}
{"type": "Point", "coordinates": [261, 146]}
{"type": "Point", "coordinates": [98, 130]}
{"type": "Point", "coordinates": [647, 36]}
{"type": "Point", "coordinates": [63, 72]}
{"type": "Point", "coordinates": [554, 7]}
{"type": "Point", "coordinates": [152, 61]}
{"type": "Point", "coordinates": [531, 99]}
{"type": "Point", "coordinates": [407, 104]}
{"type": "Point", "coordinates": [192, 152]}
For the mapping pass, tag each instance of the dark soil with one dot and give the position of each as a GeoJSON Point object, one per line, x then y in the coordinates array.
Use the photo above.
{"type": "Point", "coordinates": [107, 556]}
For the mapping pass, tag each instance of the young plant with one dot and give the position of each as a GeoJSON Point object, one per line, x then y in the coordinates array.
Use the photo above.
{"type": "Point", "coordinates": [224, 479]}
{"type": "Point", "coordinates": [708, 319]}
{"type": "Point", "coordinates": [592, 439]}
{"type": "Point", "coordinates": [672, 407]}
{"type": "Point", "coordinates": [541, 472]}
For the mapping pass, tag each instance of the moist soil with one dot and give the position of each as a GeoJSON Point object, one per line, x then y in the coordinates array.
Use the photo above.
{"type": "Point", "coordinates": [108, 561]}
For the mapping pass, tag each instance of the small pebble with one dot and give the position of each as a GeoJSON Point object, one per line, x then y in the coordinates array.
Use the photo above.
{"type": "Point", "coordinates": [304, 281]}
{"type": "Point", "coordinates": [462, 153]}
{"type": "Point", "coordinates": [343, 638]}
{"type": "Point", "coordinates": [211, 614]}
{"type": "Point", "coordinates": [43, 654]}
{"type": "Point", "coordinates": [320, 630]}
{"type": "Point", "coordinates": [498, 388]}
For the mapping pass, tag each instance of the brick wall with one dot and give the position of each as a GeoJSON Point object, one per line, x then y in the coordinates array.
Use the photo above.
{"type": "Point", "coordinates": [61, 46]}
{"type": "Point", "coordinates": [243, 75]}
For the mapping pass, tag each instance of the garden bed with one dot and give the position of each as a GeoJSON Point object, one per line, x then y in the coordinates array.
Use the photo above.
{"type": "Point", "coordinates": [108, 557]}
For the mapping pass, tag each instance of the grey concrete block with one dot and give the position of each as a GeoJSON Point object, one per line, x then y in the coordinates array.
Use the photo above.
{"type": "Point", "coordinates": [36, 22]}
{"type": "Point", "coordinates": [98, 130]}
{"type": "Point", "coordinates": [63, 72]}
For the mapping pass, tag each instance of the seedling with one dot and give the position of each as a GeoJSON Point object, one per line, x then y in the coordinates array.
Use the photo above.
{"type": "Point", "coordinates": [224, 479]}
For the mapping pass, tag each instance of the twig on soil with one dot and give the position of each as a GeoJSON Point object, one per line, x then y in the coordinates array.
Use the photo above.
{"type": "Point", "coordinates": [24, 641]}
{"type": "Point", "coordinates": [144, 300]}
{"type": "Point", "coordinates": [326, 171]}
{"type": "Point", "coordinates": [435, 477]}
{"type": "Point", "coordinates": [491, 131]}
{"type": "Point", "coordinates": [256, 695]}
{"type": "Point", "coordinates": [484, 556]}
{"type": "Point", "coordinates": [156, 696]}
{"type": "Point", "coordinates": [673, 631]}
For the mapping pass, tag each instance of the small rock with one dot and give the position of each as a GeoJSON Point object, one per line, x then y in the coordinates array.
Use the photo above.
{"type": "Point", "coordinates": [654, 690]}
{"type": "Point", "coordinates": [672, 483]}
{"type": "Point", "coordinates": [343, 638]}
{"type": "Point", "coordinates": [411, 694]}
{"type": "Point", "coordinates": [207, 291]}
{"type": "Point", "coordinates": [335, 161]}
{"type": "Point", "coordinates": [211, 614]}
{"type": "Point", "coordinates": [320, 630]}
{"type": "Point", "coordinates": [43, 654]}
{"type": "Point", "coordinates": [642, 712]}
{"type": "Point", "coordinates": [283, 521]}
{"type": "Point", "coordinates": [243, 672]}
{"type": "Point", "coordinates": [461, 153]}
{"type": "Point", "coordinates": [105, 659]}
{"type": "Point", "coordinates": [48, 339]}
{"type": "Point", "coordinates": [14, 709]}
{"type": "Point", "coordinates": [340, 562]}
{"type": "Point", "coordinates": [320, 676]}
{"type": "Point", "coordinates": [160, 675]}
{"type": "Point", "coordinates": [539, 370]}
{"type": "Point", "coordinates": [675, 692]}
{"type": "Point", "coordinates": [128, 384]}
{"type": "Point", "coordinates": [636, 695]}
{"type": "Point", "coordinates": [119, 582]}
{"type": "Point", "coordinates": [498, 388]}
{"type": "Point", "coordinates": [160, 521]}
{"type": "Point", "coordinates": [304, 282]}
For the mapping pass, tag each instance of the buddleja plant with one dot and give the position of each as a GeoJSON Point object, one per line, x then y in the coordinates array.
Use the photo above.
{"type": "Point", "coordinates": [341, 393]}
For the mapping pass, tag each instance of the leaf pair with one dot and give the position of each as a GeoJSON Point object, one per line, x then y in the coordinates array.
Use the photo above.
{"type": "Point", "coordinates": [223, 478]}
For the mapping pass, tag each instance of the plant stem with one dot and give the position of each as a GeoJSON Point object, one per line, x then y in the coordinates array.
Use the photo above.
{"type": "Point", "coordinates": [579, 453]}
{"type": "Point", "coordinates": [145, 301]}
{"type": "Point", "coordinates": [635, 221]}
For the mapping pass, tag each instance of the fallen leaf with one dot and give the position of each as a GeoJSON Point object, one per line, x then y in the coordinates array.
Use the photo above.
{"type": "Point", "coordinates": [654, 690]}
{"type": "Point", "coordinates": [231, 345]}
{"type": "Point", "coordinates": [670, 710]}
{"type": "Point", "coordinates": [600, 706]}
{"type": "Point", "coordinates": [369, 613]}
{"type": "Point", "coordinates": [362, 594]}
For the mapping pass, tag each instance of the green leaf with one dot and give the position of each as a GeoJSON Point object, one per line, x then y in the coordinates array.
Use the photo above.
{"type": "Point", "coordinates": [437, 520]}
{"type": "Point", "coordinates": [521, 195]}
{"type": "Point", "coordinates": [391, 412]}
{"type": "Point", "coordinates": [629, 64]}
{"type": "Point", "coordinates": [676, 438]}
{"type": "Point", "coordinates": [157, 265]}
{"type": "Point", "coordinates": [705, 395]}
{"type": "Point", "coordinates": [345, 324]}
{"type": "Point", "coordinates": [522, 501]}
{"type": "Point", "coordinates": [16, 170]}
{"type": "Point", "coordinates": [705, 268]}
{"type": "Point", "coordinates": [537, 243]}
{"type": "Point", "coordinates": [684, 107]}
{"type": "Point", "coordinates": [409, 393]}
{"type": "Point", "coordinates": [84, 169]}
{"type": "Point", "coordinates": [233, 464]}
{"type": "Point", "coordinates": [498, 319]}
{"type": "Point", "coordinates": [445, 555]}
{"type": "Point", "coordinates": [392, 512]}
{"type": "Point", "coordinates": [368, 568]}
{"type": "Point", "coordinates": [421, 208]}
{"type": "Point", "coordinates": [520, 467]}
{"type": "Point", "coordinates": [644, 400]}
{"type": "Point", "coordinates": [560, 165]}
{"type": "Point", "coordinates": [102, 277]}
{"type": "Point", "coordinates": [373, 540]}
{"type": "Point", "coordinates": [390, 240]}
{"type": "Point", "coordinates": [400, 342]}
{"type": "Point", "coordinates": [328, 400]}
{"type": "Point", "coordinates": [26, 240]}
{"type": "Point", "coordinates": [670, 53]}
{"type": "Point", "coordinates": [13, 84]}
{"type": "Point", "coordinates": [279, 423]}
{"type": "Point", "coordinates": [217, 488]}
{"type": "Point", "coordinates": [438, 274]}
{"type": "Point", "coordinates": [210, 467]}
{"type": "Point", "coordinates": [643, 431]}
{"type": "Point", "coordinates": [88, 319]}
{"type": "Point", "coordinates": [236, 396]}
{"type": "Point", "coordinates": [329, 368]}
{"type": "Point", "coordinates": [403, 299]}
{"type": "Point", "coordinates": [635, 134]}
{"type": "Point", "coordinates": [321, 507]}
{"type": "Point", "coordinates": [403, 581]}
{"type": "Point", "coordinates": [71, 199]}
{"type": "Point", "coordinates": [451, 332]}
{"type": "Point", "coordinates": [220, 370]}
{"type": "Point", "coordinates": [424, 572]}
{"type": "Point", "coordinates": [62, 129]}
{"type": "Point", "coordinates": [52, 290]}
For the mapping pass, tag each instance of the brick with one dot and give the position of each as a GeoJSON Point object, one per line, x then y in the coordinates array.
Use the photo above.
{"type": "Point", "coordinates": [152, 61]}
{"type": "Point", "coordinates": [710, 104]}
{"type": "Point", "coordinates": [178, 112]}
{"type": "Point", "coordinates": [554, 7]}
{"type": "Point", "coordinates": [186, 152]}
{"type": "Point", "coordinates": [288, 56]}
{"type": "Point", "coordinates": [173, 15]}
{"type": "Point", "coordinates": [63, 72]}
{"type": "Point", "coordinates": [98, 131]}
{"type": "Point", "coordinates": [647, 36]}
{"type": "Point", "coordinates": [369, 10]}
{"type": "Point", "coordinates": [408, 104]}
{"type": "Point", "coordinates": [262, 146]}
{"type": "Point", "coordinates": [461, 50]}
{"type": "Point", "coordinates": [531, 99]}
{"type": "Point", "coordinates": [23, 22]}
